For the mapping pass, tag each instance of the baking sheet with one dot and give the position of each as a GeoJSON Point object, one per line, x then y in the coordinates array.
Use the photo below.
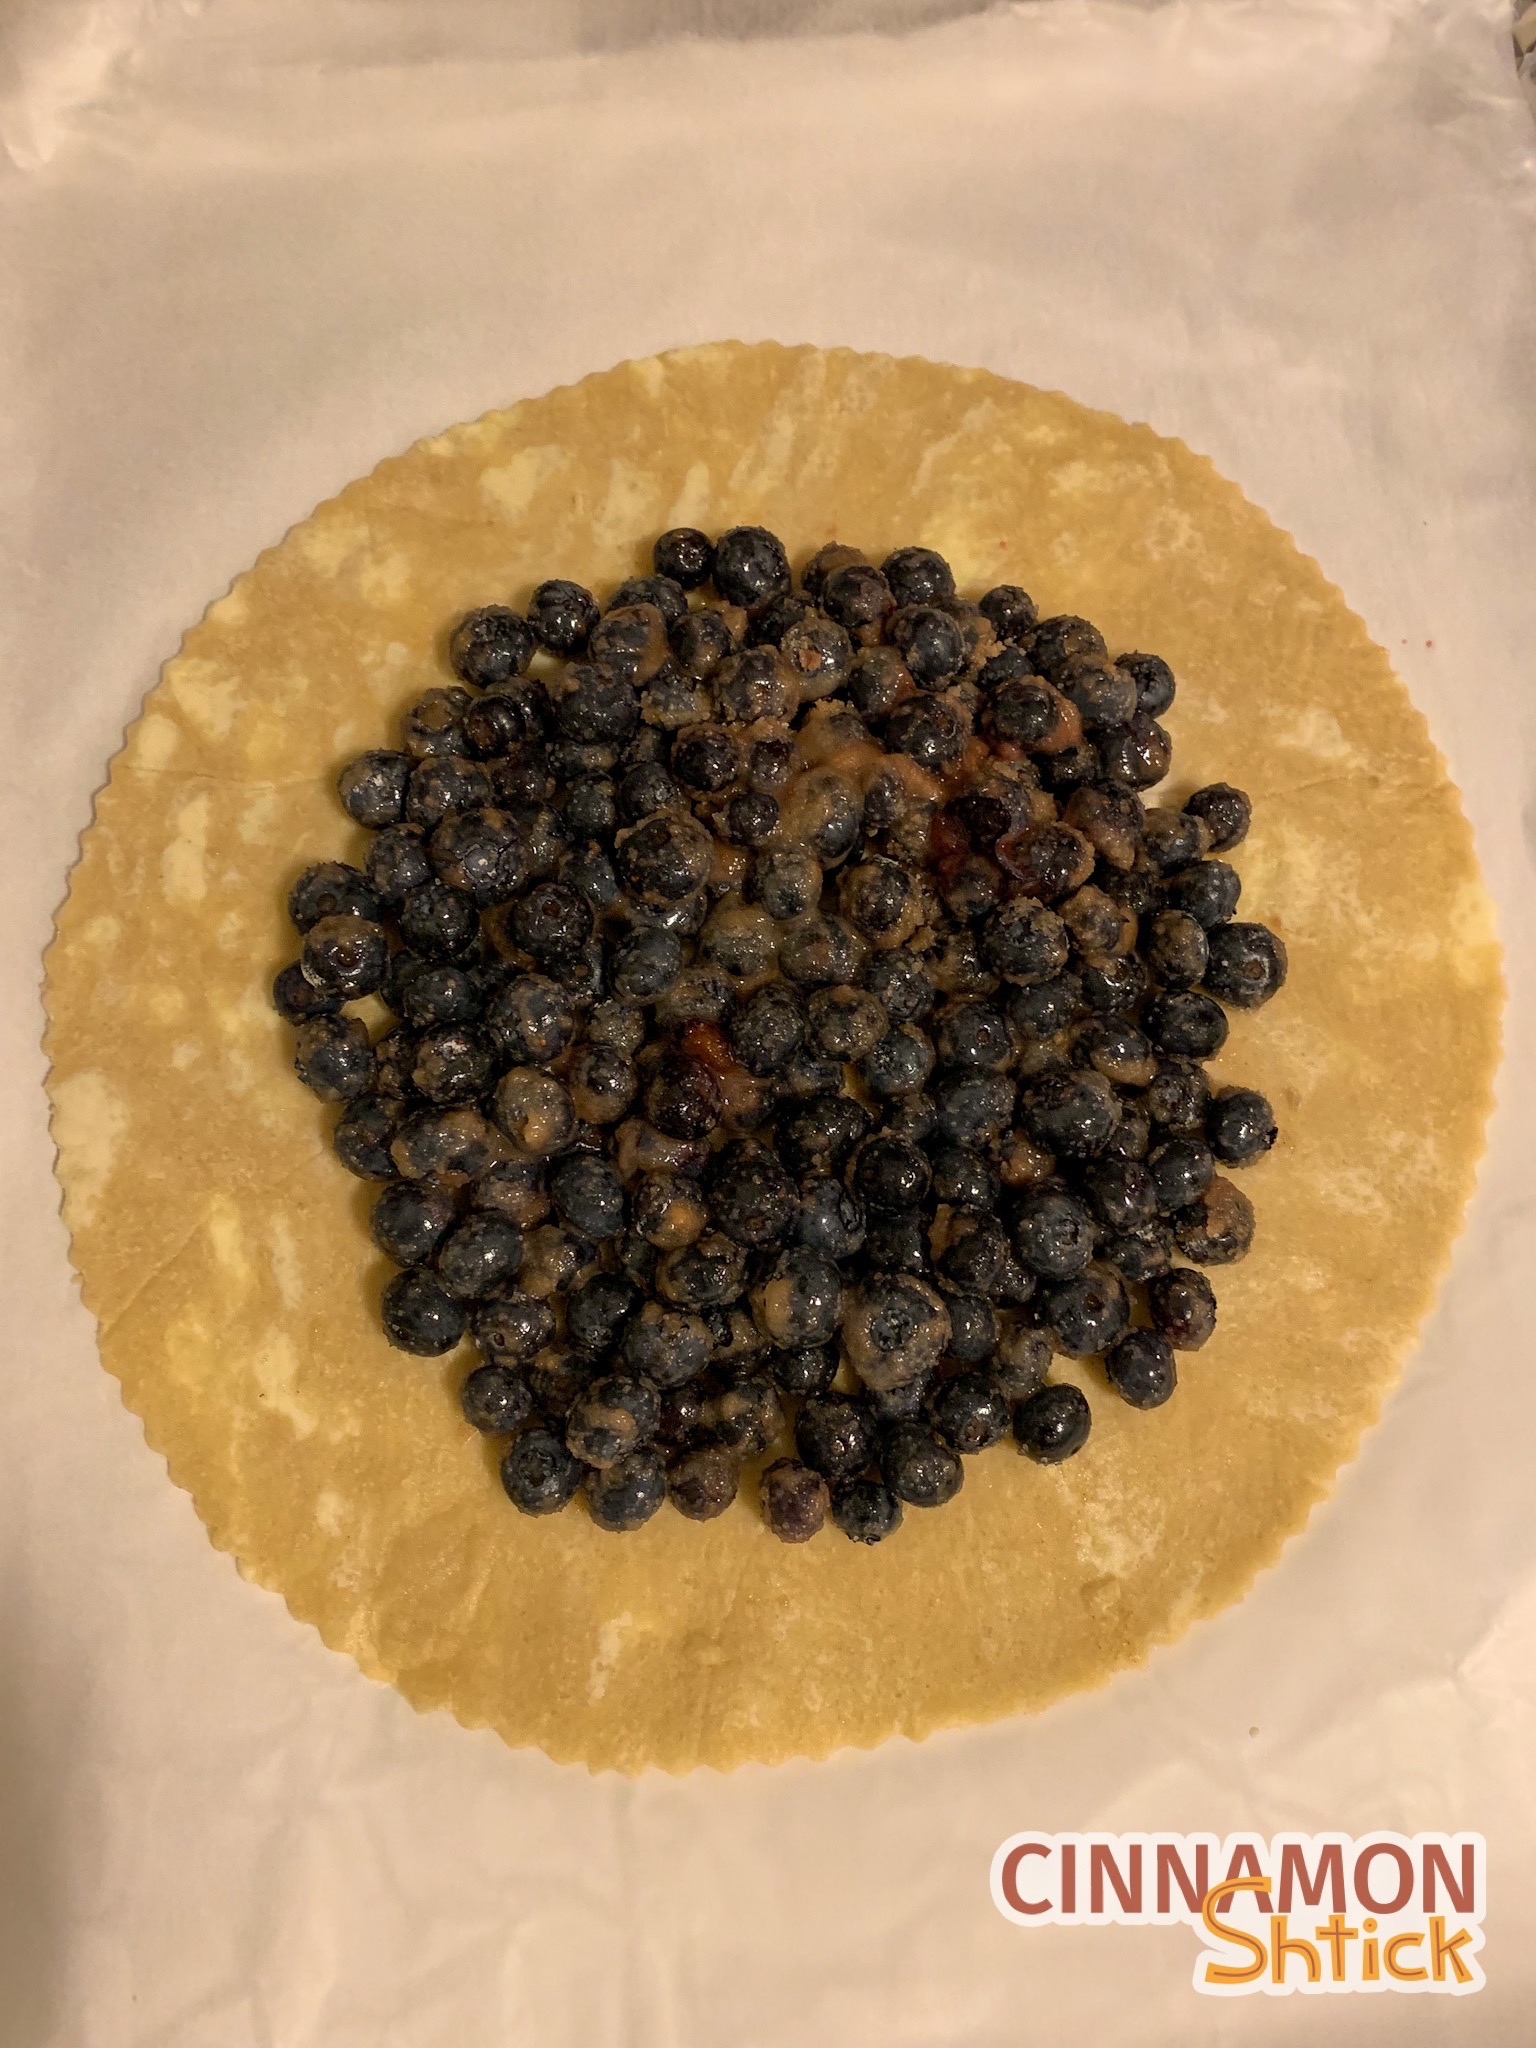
{"type": "Point", "coordinates": [263, 245]}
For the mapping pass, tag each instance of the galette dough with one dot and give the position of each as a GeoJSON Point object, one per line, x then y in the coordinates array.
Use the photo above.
{"type": "Point", "coordinates": [221, 1246]}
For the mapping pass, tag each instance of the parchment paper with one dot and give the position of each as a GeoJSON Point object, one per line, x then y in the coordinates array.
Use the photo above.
{"type": "Point", "coordinates": [251, 262]}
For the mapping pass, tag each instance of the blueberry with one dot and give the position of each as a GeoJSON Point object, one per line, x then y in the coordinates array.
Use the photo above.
{"type": "Point", "coordinates": [372, 788]}
{"type": "Point", "coordinates": [972, 1328]}
{"type": "Point", "coordinates": [557, 1382]}
{"type": "Point", "coordinates": [332, 1055]}
{"type": "Point", "coordinates": [1124, 1193]}
{"type": "Point", "coordinates": [918, 1468]}
{"type": "Point", "coordinates": [530, 1020]}
{"type": "Point", "coordinates": [419, 1317]}
{"type": "Point", "coordinates": [1174, 946]}
{"type": "Point", "coordinates": [1135, 755]}
{"type": "Point", "coordinates": [480, 852]}
{"type": "Point", "coordinates": [439, 921]}
{"type": "Point", "coordinates": [1115, 987]}
{"type": "Point", "coordinates": [1062, 641]}
{"type": "Point", "coordinates": [592, 875]}
{"type": "Point", "coordinates": [965, 1178]}
{"type": "Point", "coordinates": [668, 1345]}
{"type": "Point", "coordinates": [834, 1435]}
{"type": "Point", "coordinates": [819, 654]}
{"type": "Point", "coordinates": [591, 808]}
{"type": "Point", "coordinates": [1190, 1025]}
{"type": "Point", "coordinates": [625, 1495]}
{"type": "Point", "coordinates": [1114, 1047]}
{"type": "Point", "coordinates": [684, 555]}
{"type": "Point", "coordinates": [898, 1243]}
{"type": "Point", "coordinates": [597, 1312]}
{"type": "Point", "coordinates": [645, 966]}
{"type": "Point", "coordinates": [857, 596]}
{"type": "Point", "coordinates": [929, 642]}
{"type": "Point", "coordinates": [330, 889]}
{"type": "Point", "coordinates": [1180, 1171]}
{"type": "Point", "coordinates": [890, 1174]}
{"type": "Point", "coordinates": [1178, 1095]}
{"type": "Point", "coordinates": [681, 1427]}
{"type": "Point", "coordinates": [709, 1273]}
{"type": "Point", "coordinates": [1087, 1314]}
{"type": "Point", "coordinates": [503, 720]}
{"type": "Point", "coordinates": [451, 1145]}
{"type": "Point", "coordinates": [899, 1064]}
{"type": "Point", "coordinates": [751, 1197]}
{"type": "Point", "coordinates": [1207, 890]}
{"type": "Point", "coordinates": [1042, 1010]}
{"type": "Point", "coordinates": [1054, 1234]}
{"type": "Point", "coordinates": [296, 999]}
{"type": "Point", "coordinates": [971, 891]}
{"type": "Point", "coordinates": [865, 1510]}
{"type": "Point", "coordinates": [874, 896]}
{"type": "Point", "coordinates": [768, 627]}
{"type": "Point", "coordinates": [683, 1098]}
{"type": "Point", "coordinates": [767, 1028]}
{"type": "Point", "coordinates": [1105, 697]}
{"type": "Point", "coordinates": [974, 1035]}
{"type": "Point", "coordinates": [918, 576]}
{"type": "Point", "coordinates": [1048, 863]}
{"type": "Point", "coordinates": [1053, 1423]}
{"type": "Point", "coordinates": [612, 1418]}
{"type": "Point", "coordinates": [750, 567]}
{"type": "Point", "coordinates": [903, 984]}
{"type": "Point", "coordinates": [602, 1084]}
{"type": "Point", "coordinates": [665, 859]}
{"type": "Point", "coordinates": [702, 1483]}
{"type": "Point", "coordinates": [1174, 839]}
{"type": "Point", "coordinates": [496, 1399]}
{"type": "Point", "coordinates": [661, 591]}
{"type": "Point", "coordinates": [442, 784]}
{"type": "Point", "coordinates": [969, 1411]}
{"type": "Point", "coordinates": [804, 1368]}
{"type": "Point", "coordinates": [588, 1196]}
{"type": "Point", "coordinates": [1071, 1115]}
{"type": "Point", "coordinates": [928, 730]}
{"type": "Point", "coordinates": [1010, 612]}
{"type": "Point", "coordinates": [795, 1500]}
{"type": "Point", "coordinates": [668, 1211]}
{"type": "Point", "coordinates": [431, 994]}
{"type": "Point", "coordinates": [454, 1063]}
{"type": "Point", "coordinates": [1217, 1228]}
{"type": "Point", "coordinates": [1225, 812]}
{"type": "Point", "coordinates": [551, 921]}
{"type": "Point", "coordinates": [1183, 1307]}
{"type": "Point", "coordinates": [534, 1111]}
{"type": "Point", "coordinates": [1247, 963]}
{"type": "Point", "coordinates": [363, 1135]}
{"type": "Point", "coordinates": [1139, 1255]}
{"type": "Point", "coordinates": [1027, 712]}
{"type": "Point", "coordinates": [845, 1023]}
{"type": "Point", "coordinates": [1141, 1370]}
{"type": "Point", "coordinates": [1132, 1137]}
{"type": "Point", "coordinates": [1240, 1126]}
{"type": "Point", "coordinates": [895, 1327]}
{"type": "Point", "coordinates": [817, 1135]}
{"type": "Point", "coordinates": [397, 864]}
{"type": "Point", "coordinates": [1023, 1358]}
{"type": "Point", "coordinates": [539, 1473]}
{"type": "Point", "coordinates": [977, 1258]}
{"type": "Point", "coordinates": [746, 1417]}
{"type": "Point", "coordinates": [799, 1300]}
{"type": "Point", "coordinates": [512, 1328]}
{"type": "Point", "coordinates": [409, 1221]}
{"type": "Point", "coordinates": [1155, 686]}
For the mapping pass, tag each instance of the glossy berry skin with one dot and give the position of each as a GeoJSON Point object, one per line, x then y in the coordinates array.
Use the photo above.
{"type": "Point", "coordinates": [918, 576]}
{"type": "Point", "coordinates": [296, 999]}
{"type": "Point", "coordinates": [1187, 1023]}
{"type": "Point", "coordinates": [767, 1029]}
{"type": "Point", "coordinates": [918, 1468]}
{"type": "Point", "coordinates": [410, 1219]}
{"type": "Point", "coordinates": [903, 984]}
{"type": "Point", "coordinates": [1010, 612]}
{"type": "Point", "coordinates": [1207, 890]}
{"type": "Point", "coordinates": [965, 1179]}
{"type": "Point", "coordinates": [625, 1495]}
{"type": "Point", "coordinates": [420, 1317]}
{"type": "Point", "coordinates": [1175, 947]}
{"type": "Point", "coordinates": [900, 1064]}
{"type": "Point", "coordinates": [1071, 1115]}
{"type": "Point", "coordinates": [1140, 1368]}
{"type": "Point", "coordinates": [1087, 1314]}
{"type": "Point", "coordinates": [1180, 1172]}
{"type": "Point", "coordinates": [702, 1483]}
{"type": "Point", "coordinates": [1226, 813]}
{"type": "Point", "coordinates": [333, 1057]}
{"type": "Point", "coordinates": [865, 1510]}
{"type": "Point", "coordinates": [929, 642]}
{"type": "Point", "coordinates": [1240, 1126]}
{"type": "Point", "coordinates": [495, 1400]}
{"type": "Point", "coordinates": [345, 956]}
{"type": "Point", "coordinates": [751, 1197]}
{"type": "Point", "coordinates": [588, 1196]}
{"type": "Point", "coordinates": [745, 1417]}
{"type": "Point", "coordinates": [1053, 1424]}
{"type": "Point", "coordinates": [928, 730]}
{"type": "Point", "coordinates": [539, 1474]}
{"type": "Point", "coordinates": [891, 1174]}
{"type": "Point", "coordinates": [805, 1369]}
{"type": "Point", "coordinates": [479, 1255]}
{"type": "Point", "coordinates": [512, 1328]}
{"type": "Point", "coordinates": [372, 788]}
{"type": "Point", "coordinates": [1217, 1229]}
{"type": "Point", "coordinates": [750, 567]}
{"type": "Point", "coordinates": [1247, 964]}
{"type": "Point", "coordinates": [834, 1435]}
{"type": "Point", "coordinates": [972, 1107]}
{"type": "Point", "coordinates": [1054, 1234]}
{"type": "Point", "coordinates": [972, 1328]}
{"type": "Point", "coordinates": [1022, 1361]}
{"type": "Point", "coordinates": [454, 1063]}
{"type": "Point", "coordinates": [440, 922]}
{"type": "Point", "coordinates": [611, 1418]}
{"type": "Point", "coordinates": [330, 889]}
{"type": "Point", "coordinates": [970, 1412]}
{"type": "Point", "coordinates": [683, 1097]}
{"type": "Point", "coordinates": [1155, 686]}
{"type": "Point", "coordinates": [795, 1500]}
{"type": "Point", "coordinates": [799, 1300]}
{"type": "Point", "coordinates": [685, 555]}
{"type": "Point", "coordinates": [398, 862]}
{"type": "Point", "coordinates": [1183, 1306]}
{"type": "Point", "coordinates": [363, 1135]}
{"type": "Point", "coordinates": [490, 646]}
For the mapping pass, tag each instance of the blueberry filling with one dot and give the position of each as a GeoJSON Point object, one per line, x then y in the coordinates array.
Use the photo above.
{"type": "Point", "coordinates": [799, 1010]}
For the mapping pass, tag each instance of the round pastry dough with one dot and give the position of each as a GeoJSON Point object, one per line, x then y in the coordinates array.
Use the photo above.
{"type": "Point", "coordinates": [222, 1249]}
